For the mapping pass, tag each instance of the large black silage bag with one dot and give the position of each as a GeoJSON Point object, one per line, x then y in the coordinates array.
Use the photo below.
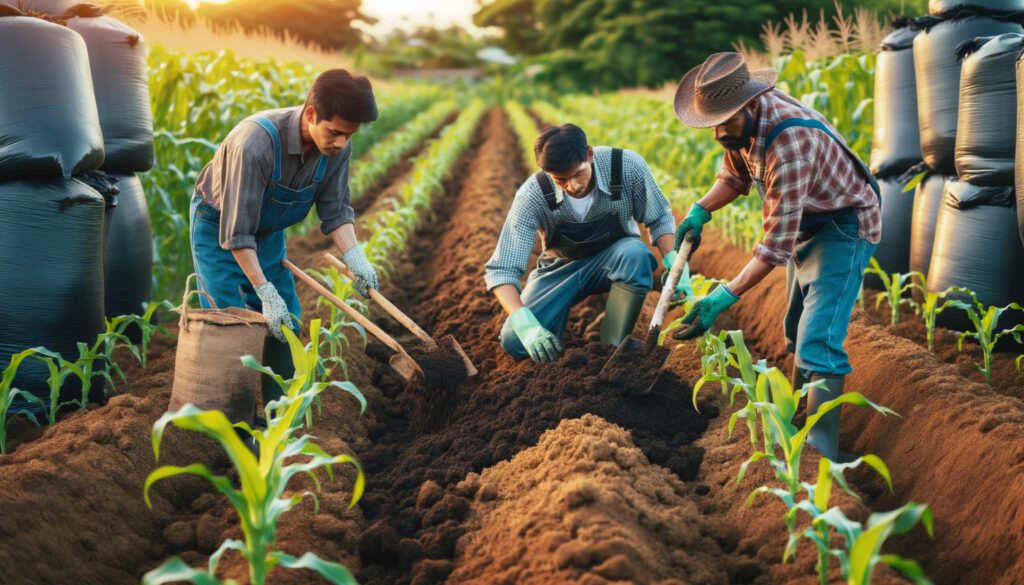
{"type": "Point", "coordinates": [946, 7]}
{"type": "Point", "coordinates": [129, 251]}
{"type": "Point", "coordinates": [49, 126]}
{"type": "Point", "coordinates": [925, 212]}
{"type": "Point", "coordinates": [977, 247]}
{"type": "Point", "coordinates": [117, 59]}
{"type": "Point", "coordinates": [895, 145]}
{"type": "Point", "coordinates": [51, 258]}
{"type": "Point", "coordinates": [987, 118]}
{"type": "Point", "coordinates": [893, 251]}
{"type": "Point", "coordinates": [937, 71]}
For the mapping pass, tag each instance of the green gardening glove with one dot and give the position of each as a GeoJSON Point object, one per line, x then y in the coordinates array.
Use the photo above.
{"type": "Point", "coordinates": [693, 223]}
{"type": "Point", "coordinates": [704, 313]}
{"type": "Point", "coordinates": [683, 288]}
{"type": "Point", "coordinates": [541, 344]}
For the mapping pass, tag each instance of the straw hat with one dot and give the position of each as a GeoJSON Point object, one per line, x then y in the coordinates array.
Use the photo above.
{"type": "Point", "coordinates": [711, 93]}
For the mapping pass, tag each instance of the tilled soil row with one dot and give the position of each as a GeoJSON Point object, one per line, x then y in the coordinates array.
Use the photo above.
{"type": "Point", "coordinates": [958, 447]}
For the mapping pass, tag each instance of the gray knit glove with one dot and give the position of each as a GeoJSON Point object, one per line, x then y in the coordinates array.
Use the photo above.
{"type": "Point", "coordinates": [359, 264]}
{"type": "Point", "coordinates": [274, 309]}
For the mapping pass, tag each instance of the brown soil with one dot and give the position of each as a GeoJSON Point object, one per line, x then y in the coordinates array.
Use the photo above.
{"type": "Point", "coordinates": [584, 506]}
{"type": "Point", "coordinates": [959, 447]}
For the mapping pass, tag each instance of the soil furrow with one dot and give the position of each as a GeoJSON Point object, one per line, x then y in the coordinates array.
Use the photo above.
{"type": "Point", "coordinates": [977, 540]}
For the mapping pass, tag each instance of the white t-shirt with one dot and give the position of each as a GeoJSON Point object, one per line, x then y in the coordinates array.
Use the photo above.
{"type": "Point", "coordinates": [580, 206]}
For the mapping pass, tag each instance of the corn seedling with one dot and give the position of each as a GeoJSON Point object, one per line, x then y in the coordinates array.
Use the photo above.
{"type": "Point", "coordinates": [1019, 363]}
{"type": "Point", "coordinates": [8, 393]}
{"type": "Point", "coordinates": [895, 287]}
{"type": "Point", "coordinates": [933, 305]}
{"type": "Point", "coordinates": [986, 321]}
{"type": "Point", "coordinates": [145, 325]}
{"type": "Point", "coordinates": [863, 545]}
{"type": "Point", "coordinates": [816, 504]}
{"type": "Point", "coordinates": [59, 369]}
{"type": "Point", "coordinates": [263, 478]}
{"type": "Point", "coordinates": [777, 402]}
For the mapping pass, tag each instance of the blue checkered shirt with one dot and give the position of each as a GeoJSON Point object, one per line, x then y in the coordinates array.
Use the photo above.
{"type": "Point", "coordinates": [642, 201]}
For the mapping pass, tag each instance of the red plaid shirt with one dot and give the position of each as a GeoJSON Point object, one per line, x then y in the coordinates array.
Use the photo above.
{"type": "Point", "coordinates": [805, 171]}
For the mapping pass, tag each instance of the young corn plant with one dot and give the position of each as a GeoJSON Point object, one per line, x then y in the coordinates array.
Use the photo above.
{"type": "Point", "coordinates": [59, 369]}
{"type": "Point", "coordinates": [817, 503]}
{"type": "Point", "coordinates": [863, 545]}
{"type": "Point", "coordinates": [263, 477]}
{"type": "Point", "coordinates": [145, 325]}
{"type": "Point", "coordinates": [933, 305]}
{"type": "Point", "coordinates": [894, 290]}
{"type": "Point", "coordinates": [8, 393]}
{"type": "Point", "coordinates": [986, 322]}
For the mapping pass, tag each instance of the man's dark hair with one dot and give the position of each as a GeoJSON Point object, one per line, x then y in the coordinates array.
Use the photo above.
{"type": "Point", "coordinates": [560, 148]}
{"type": "Point", "coordinates": [337, 93]}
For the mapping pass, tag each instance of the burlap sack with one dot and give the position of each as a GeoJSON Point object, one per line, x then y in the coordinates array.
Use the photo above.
{"type": "Point", "coordinates": [208, 370]}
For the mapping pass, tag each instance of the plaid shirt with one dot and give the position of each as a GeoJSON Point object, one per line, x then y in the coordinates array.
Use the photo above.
{"type": "Point", "coordinates": [805, 171]}
{"type": "Point", "coordinates": [642, 201]}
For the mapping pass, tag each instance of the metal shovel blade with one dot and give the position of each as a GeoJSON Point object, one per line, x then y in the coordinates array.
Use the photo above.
{"type": "Point", "coordinates": [449, 343]}
{"type": "Point", "coordinates": [406, 367]}
{"type": "Point", "coordinates": [634, 368]}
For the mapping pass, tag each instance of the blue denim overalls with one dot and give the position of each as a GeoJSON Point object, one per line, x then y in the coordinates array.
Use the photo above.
{"type": "Point", "coordinates": [824, 275]}
{"type": "Point", "coordinates": [282, 207]}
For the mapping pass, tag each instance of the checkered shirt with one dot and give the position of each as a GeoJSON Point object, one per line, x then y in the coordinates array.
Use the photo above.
{"type": "Point", "coordinates": [642, 201]}
{"type": "Point", "coordinates": [805, 171]}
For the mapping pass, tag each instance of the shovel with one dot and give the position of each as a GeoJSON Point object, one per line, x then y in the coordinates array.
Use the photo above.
{"type": "Point", "coordinates": [447, 345]}
{"type": "Point", "coordinates": [401, 362]}
{"type": "Point", "coordinates": [636, 364]}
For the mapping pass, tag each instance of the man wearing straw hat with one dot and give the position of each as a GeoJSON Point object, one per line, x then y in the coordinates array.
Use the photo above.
{"type": "Point", "coordinates": [267, 175]}
{"type": "Point", "coordinates": [820, 215]}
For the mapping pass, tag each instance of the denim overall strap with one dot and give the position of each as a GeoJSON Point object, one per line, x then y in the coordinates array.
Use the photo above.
{"type": "Point", "coordinates": [276, 138]}
{"type": "Point", "coordinates": [812, 123]}
{"type": "Point", "coordinates": [321, 169]}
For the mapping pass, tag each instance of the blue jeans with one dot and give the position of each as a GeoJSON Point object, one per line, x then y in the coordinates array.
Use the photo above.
{"type": "Point", "coordinates": [553, 289]}
{"type": "Point", "coordinates": [824, 279]}
{"type": "Point", "coordinates": [223, 278]}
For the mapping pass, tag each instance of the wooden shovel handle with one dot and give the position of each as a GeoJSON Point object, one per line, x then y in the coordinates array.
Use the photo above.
{"type": "Point", "coordinates": [387, 305]}
{"type": "Point", "coordinates": [354, 314]}
{"type": "Point", "coordinates": [670, 283]}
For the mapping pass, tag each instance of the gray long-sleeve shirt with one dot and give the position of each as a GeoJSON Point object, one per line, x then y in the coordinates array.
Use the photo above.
{"type": "Point", "coordinates": [234, 181]}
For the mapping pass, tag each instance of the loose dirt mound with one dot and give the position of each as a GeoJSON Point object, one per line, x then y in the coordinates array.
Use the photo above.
{"type": "Point", "coordinates": [959, 447]}
{"type": "Point", "coordinates": [583, 506]}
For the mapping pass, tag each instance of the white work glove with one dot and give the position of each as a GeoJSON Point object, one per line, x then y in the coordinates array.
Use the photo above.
{"type": "Point", "coordinates": [366, 277]}
{"type": "Point", "coordinates": [274, 309]}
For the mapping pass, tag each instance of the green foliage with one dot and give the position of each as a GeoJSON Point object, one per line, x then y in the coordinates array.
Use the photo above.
{"type": "Point", "coordinates": [526, 131]}
{"type": "Point", "coordinates": [263, 477]}
{"type": "Point", "coordinates": [894, 290]}
{"type": "Point", "coordinates": [328, 23]}
{"type": "Point", "coordinates": [8, 393]}
{"type": "Point", "coordinates": [933, 305]}
{"type": "Point", "coordinates": [612, 43]}
{"type": "Point", "coordinates": [985, 320]}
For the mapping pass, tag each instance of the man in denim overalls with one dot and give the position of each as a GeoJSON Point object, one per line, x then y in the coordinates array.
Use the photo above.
{"type": "Point", "coordinates": [266, 175]}
{"type": "Point", "coordinates": [821, 217]}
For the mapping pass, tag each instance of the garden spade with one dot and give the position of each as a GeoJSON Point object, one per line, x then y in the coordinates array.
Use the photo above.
{"type": "Point", "coordinates": [636, 364]}
{"type": "Point", "coordinates": [401, 362]}
{"type": "Point", "coordinates": [446, 345]}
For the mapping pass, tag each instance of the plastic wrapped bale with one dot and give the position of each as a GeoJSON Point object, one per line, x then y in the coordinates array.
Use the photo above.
{"type": "Point", "coordinates": [977, 247]}
{"type": "Point", "coordinates": [925, 211]}
{"type": "Point", "coordinates": [49, 126]}
{"type": "Point", "coordinates": [51, 256]}
{"type": "Point", "coordinates": [51, 7]}
{"type": "Point", "coordinates": [987, 119]}
{"type": "Point", "coordinates": [895, 145]}
{"type": "Point", "coordinates": [937, 72]}
{"type": "Point", "coordinates": [129, 251]}
{"type": "Point", "coordinates": [948, 7]}
{"type": "Point", "coordinates": [893, 251]}
{"type": "Point", "coordinates": [117, 58]}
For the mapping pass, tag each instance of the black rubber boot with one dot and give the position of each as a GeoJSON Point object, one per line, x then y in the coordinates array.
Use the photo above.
{"type": "Point", "coordinates": [824, 436]}
{"type": "Point", "coordinates": [620, 312]}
